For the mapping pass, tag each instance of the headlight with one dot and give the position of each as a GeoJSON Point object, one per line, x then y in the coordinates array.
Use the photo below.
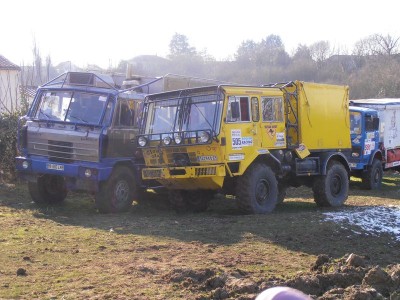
{"type": "Point", "coordinates": [25, 164]}
{"type": "Point", "coordinates": [178, 139]}
{"type": "Point", "coordinates": [204, 136]}
{"type": "Point", "coordinates": [142, 141]}
{"type": "Point", "coordinates": [167, 140]}
{"type": "Point", "coordinates": [88, 172]}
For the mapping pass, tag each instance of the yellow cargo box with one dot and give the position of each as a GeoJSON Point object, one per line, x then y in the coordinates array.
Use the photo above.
{"type": "Point", "coordinates": [322, 117]}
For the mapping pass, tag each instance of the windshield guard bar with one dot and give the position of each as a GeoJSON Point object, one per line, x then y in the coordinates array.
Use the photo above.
{"type": "Point", "coordinates": [189, 137]}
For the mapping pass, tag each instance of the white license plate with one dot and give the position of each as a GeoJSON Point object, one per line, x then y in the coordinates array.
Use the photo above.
{"type": "Point", "coordinates": [55, 167]}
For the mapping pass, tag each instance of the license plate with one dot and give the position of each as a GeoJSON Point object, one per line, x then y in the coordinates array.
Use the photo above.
{"type": "Point", "coordinates": [55, 167]}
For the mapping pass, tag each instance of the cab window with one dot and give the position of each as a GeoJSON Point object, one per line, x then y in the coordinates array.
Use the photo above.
{"type": "Point", "coordinates": [238, 109]}
{"type": "Point", "coordinates": [125, 114]}
{"type": "Point", "coordinates": [272, 109]}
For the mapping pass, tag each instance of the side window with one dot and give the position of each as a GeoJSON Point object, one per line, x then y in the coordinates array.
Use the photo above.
{"type": "Point", "coordinates": [238, 109]}
{"type": "Point", "coordinates": [355, 122]}
{"type": "Point", "coordinates": [125, 115]}
{"type": "Point", "coordinates": [371, 123]}
{"type": "Point", "coordinates": [272, 109]}
{"type": "Point", "coordinates": [255, 109]}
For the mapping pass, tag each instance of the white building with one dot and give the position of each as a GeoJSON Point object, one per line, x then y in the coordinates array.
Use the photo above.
{"type": "Point", "coordinates": [9, 86]}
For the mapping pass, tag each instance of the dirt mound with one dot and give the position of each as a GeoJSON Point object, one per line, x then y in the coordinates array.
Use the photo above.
{"type": "Point", "coordinates": [347, 278]}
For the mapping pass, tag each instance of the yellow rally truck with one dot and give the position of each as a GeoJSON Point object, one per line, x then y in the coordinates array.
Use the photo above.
{"type": "Point", "coordinates": [248, 141]}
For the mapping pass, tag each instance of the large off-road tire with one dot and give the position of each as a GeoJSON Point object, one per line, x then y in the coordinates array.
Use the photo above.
{"type": "Point", "coordinates": [48, 189]}
{"type": "Point", "coordinates": [332, 189]}
{"type": "Point", "coordinates": [190, 201]}
{"type": "Point", "coordinates": [372, 179]}
{"type": "Point", "coordinates": [257, 190]}
{"type": "Point", "coordinates": [118, 192]}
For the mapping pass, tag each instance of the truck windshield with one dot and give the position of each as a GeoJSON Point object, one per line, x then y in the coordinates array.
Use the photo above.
{"type": "Point", "coordinates": [184, 114]}
{"type": "Point", "coordinates": [71, 106]}
{"type": "Point", "coordinates": [355, 122]}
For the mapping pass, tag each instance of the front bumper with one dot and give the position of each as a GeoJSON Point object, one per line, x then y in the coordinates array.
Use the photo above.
{"type": "Point", "coordinates": [189, 178]}
{"type": "Point", "coordinates": [79, 176]}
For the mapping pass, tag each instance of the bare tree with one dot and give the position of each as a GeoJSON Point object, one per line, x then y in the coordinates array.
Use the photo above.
{"type": "Point", "coordinates": [37, 62]}
{"type": "Point", "coordinates": [388, 44]}
{"type": "Point", "coordinates": [377, 44]}
{"type": "Point", "coordinates": [320, 51]}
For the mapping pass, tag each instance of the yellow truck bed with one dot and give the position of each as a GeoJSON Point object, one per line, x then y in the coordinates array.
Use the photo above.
{"type": "Point", "coordinates": [323, 116]}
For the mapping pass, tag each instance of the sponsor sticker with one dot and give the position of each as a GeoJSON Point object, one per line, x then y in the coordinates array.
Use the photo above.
{"type": "Point", "coordinates": [236, 135]}
{"type": "Point", "coordinates": [207, 158]}
{"type": "Point", "coordinates": [368, 147]}
{"type": "Point", "coordinates": [262, 151]}
{"type": "Point", "coordinates": [247, 141]}
{"type": "Point", "coordinates": [236, 156]}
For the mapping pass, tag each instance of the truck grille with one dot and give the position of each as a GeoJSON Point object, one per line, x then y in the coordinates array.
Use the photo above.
{"type": "Point", "coordinates": [151, 173]}
{"type": "Point", "coordinates": [205, 171]}
{"type": "Point", "coordinates": [60, 151]}
{"type": "Point", "coordinates": [66, 151]}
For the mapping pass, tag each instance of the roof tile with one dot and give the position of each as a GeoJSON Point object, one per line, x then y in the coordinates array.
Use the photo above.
{"type": "Point", "coordinates": [5, 64]}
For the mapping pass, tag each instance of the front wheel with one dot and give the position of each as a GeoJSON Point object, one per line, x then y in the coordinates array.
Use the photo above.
{"type": "Point", "coordinates": [332, 189]}
{"type": "Point", "coordinates": [257, 190]}
{"type": "Point", "coordinates": [48, 189]}
{"type": "Point", "coordinates": [372, 179]}
{"type": "Point", "coordinates": [118, 192]}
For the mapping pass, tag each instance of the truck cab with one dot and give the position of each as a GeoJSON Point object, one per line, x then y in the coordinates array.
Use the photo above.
{"type": "Point", "coordinates": [79, 135]}
{"type": "Point", "coordinates": [366, 155]}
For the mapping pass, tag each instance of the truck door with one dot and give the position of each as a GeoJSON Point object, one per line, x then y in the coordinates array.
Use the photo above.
{"type": "Point", "coordinates": [121, 136]}
{"type": "Point", "coordinates": [241, 126]}
{"type": "Point", "coordinates": [273, 130]}
{"type": "Point", "coordinates": [371, 140]}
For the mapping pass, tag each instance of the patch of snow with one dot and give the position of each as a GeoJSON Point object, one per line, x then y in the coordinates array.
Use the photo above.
{"type": "Point", "coordinates": [374, 220]}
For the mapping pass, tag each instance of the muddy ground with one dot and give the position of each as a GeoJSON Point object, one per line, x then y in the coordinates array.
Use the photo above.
{"type": "Point", "coordinates": [71, 251]}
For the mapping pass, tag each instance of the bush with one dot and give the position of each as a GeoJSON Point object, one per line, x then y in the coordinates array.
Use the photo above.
{"type": "Point", "coordinates": [8, 144]}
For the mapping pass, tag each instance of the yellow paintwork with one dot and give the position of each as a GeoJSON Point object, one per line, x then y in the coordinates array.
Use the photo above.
{"type": "Point", "coordinates": [190, 179]}
{"type": "Point", "coordinates": [323, 116]}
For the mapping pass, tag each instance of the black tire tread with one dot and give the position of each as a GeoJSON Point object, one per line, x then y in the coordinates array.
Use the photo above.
{"type": "Point", "coordinates": [367, 177]}
{"type": "Point", "coordinates": [104, 196]}
{"type": "Point", "coordinates": [245, 190]}
{"type": "Point", "coordinates": [322, 196]}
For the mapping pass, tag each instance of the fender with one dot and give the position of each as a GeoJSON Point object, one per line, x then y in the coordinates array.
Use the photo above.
{"type": "Point", "coordinates": [326, 157]}
{"type": "Point", "coordinates": [376, 154]}
{"type": "Point", "coordinates": [263, 155]}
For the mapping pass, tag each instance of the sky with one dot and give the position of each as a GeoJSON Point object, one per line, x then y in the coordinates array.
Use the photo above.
{"type": "Point", "coordinates": [106, 32]}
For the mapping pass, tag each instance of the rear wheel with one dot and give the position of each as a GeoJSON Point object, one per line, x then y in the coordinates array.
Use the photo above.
{"type": "Point", "coordinates": [118, 192]}
{"type": "Point", "coordinates": [332, 189]}
{"type": "Point", "coordinates": [48, 189]}
{"type": "Point", "coordinates": [257, 190]}
{"type": "Point", "coordinates": [372, 179]}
